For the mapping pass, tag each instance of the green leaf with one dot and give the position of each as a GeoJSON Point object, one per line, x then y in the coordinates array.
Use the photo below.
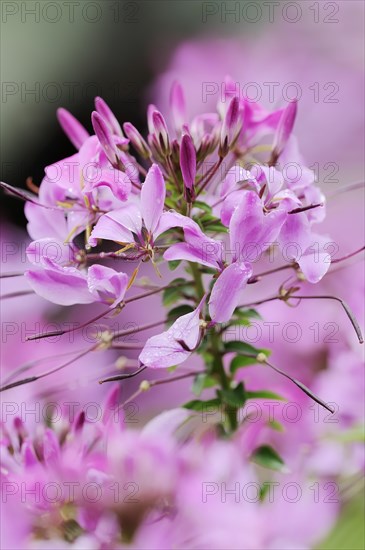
{"type": "Point", "coordinates": [247, 313]}
{"type": "Point", "coordinates": [208, 218]}
{"type": "Point", "coordinates": [173, 264]}
{"type": "Point", "coordinates": [263, 394]}
{"type": "Point", "coordinates": [203, 381]}
{"type": "Point", "coordinates": [216, 228]}
{"type": "Point", "coordinates": [240, 347]}
{"type": "Point", "coordinates": [267, 457]}
{"type": "Point", "coordinates": [235, 322]}
{"type": "Point", "coordinates": [203, 206]}
{"type": "Point", "coordinates": [178, 312]}
{"type": "Point", "coordinates": [241, 361]}
{"type": "Point", "coordinates": [235, 397]}
{"type": "Point", "coordinates": [208, 270]}
{"type": "Point", "coordinates": [172, 294]}
{"type": "Point", "coordinates": [170, 202]}
{"type": "Point", "coordinates": [202, 406]}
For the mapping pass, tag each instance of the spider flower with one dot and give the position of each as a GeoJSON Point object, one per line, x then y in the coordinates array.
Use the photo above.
{"type": "Point", "coordinates": [138, 225]}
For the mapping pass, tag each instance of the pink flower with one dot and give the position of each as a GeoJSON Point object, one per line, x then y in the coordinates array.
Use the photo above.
{"type": "Point", "coordinates": [67, 285]}
{"type": "Point", "coordinates": [139, 225]}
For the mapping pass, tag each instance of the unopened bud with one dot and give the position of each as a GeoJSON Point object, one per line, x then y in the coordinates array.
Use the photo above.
{"type": "Point", "coordinates": [160, 133]}
{"type": "Point", "coordinates": [138, 142]}
{"type": "Point", "coordinates": [177, 104]}
{"type": "Point", "coordinates": [283, 131]}
{"type": "Point", "coordinates": [105, 137]}
{"type": "Point", "coordinates": [73, 129]}
{"type": "Point", "coordinates": [231, 127]}
{"type": "Point", "coordinates": [188, 165]}
{"type": "Point", "coordinates": [105, 111]}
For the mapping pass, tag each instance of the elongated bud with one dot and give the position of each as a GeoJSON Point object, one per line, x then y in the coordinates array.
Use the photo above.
{"type": "Point", "coordinates": [73, 129]}
{"type": "Point", "coordinates": [105, 137]}
{"type": "Point", "coordinates": [150, 110]}
{"type": "Point", "coordinates": [284, 130]}
{"type": "Point", "coordinates": [137, 140]}
{"type": "Point", "coordinates": [177, 105]}
{"type": "Point", "coordinates": [175, 152]}
{"type": "Point", "coordinates": [105, 111]}
{"type": "Point", "coordinates": [188, 165]}
{"type": "Point", "coordinates": [161, 132]}
{"type": "Point", "coordinates": [231, 127]}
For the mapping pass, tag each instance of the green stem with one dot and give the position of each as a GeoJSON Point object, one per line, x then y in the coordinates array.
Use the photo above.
{"type": "Point", "coordinates": [218, 368]}
{"type": "Point", "coordinates": [198, 281]}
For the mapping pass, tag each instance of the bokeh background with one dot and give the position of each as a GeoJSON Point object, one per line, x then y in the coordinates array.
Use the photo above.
{"type": "Point", "coordinates": [65, 53]}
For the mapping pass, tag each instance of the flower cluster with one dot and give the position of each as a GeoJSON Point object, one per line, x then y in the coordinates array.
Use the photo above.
{"type": "Point", "coordinates": [135, 209]}
{"type": "Point", "coordinates": [212, 199]}
{"type": "Point", "coordinates": [101, 485]}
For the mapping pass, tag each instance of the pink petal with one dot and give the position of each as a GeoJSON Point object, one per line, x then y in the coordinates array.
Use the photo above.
{"type": "Point", "coordinates": [50, 249]}
{"type": "Point", "coordinates": [184, 251]}
{"type": "Point", "coordinates": [299, 244]}
{"type": "Point", "coordinates": [106, 284]}
{"type": "Point", "coordinates": [227, 290]}
{"type": "Point", "coordinates": [61, 285]}
{"type": "Point", "coordinates": [165, 350]}
{"type": "Point", "coordinates": [197, 248]}
{"type": "Point", "coordinates": [252, 231]}
{"type": "Point", "coordinates": [314, 264]}
{"type": "Point", "coordinates": [118, 225]}
{"type": "Point", "coordinates": [233, 177]}
{"type": "Point", "coordinates": [43, 222]}
{"type": "Point", "coordinates": [153, 198]}
{"type": "Point", "coordinates": [171, 219]}
{"type": "Point", "coordinates": [118, 182]}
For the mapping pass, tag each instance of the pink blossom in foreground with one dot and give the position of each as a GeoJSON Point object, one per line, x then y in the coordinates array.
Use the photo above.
{"type": "Point", "coordinates": [133, 489]}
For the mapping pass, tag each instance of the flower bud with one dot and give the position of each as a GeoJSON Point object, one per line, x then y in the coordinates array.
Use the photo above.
{"type": "Point", "coordinates": [283, 131]}
{"type": "Point", "coordinates": [177, 105]}
{"type": "Point", "coordinates": [150, 110]}
{"type": "Point", "coordinates": [105, 137]}
{"type": "Point", "coordinates": [231, 127]}
{"type": "Point", "coordinates": [161, 133]}
{"type": "Point", "coordinates": [73, 129]}
{"type": "Point", "coordinates": [105, 111]}
{"type": "Point", "coordinates": [137, 140]}
{"type": "Point", "coordinates": [188, 165]}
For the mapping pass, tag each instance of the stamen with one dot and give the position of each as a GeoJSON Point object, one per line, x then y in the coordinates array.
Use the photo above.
{"type": "Point", "coordinates": [32, 186]}
{"type": "Point", "coordinates": [350, 255]}
{"type": "Point", "coordinates": [289, 294]}
{"type": "Point", "coordinates": [301, 386]}
{"type": "Point", "coordinates": [41, 335]}
{"type": "Point", "coordinates": [122, 376]}
{"type": "Point", "coordinates": [14, 274]}
{"type": "Point", "coordinates": [16, 294]}
{"type": "Point", "coordinates": [305, 208]}
{"type": "Point", "coordinates": [345, 306]}
{"type": "Point", "coordinates": [47, 373]}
